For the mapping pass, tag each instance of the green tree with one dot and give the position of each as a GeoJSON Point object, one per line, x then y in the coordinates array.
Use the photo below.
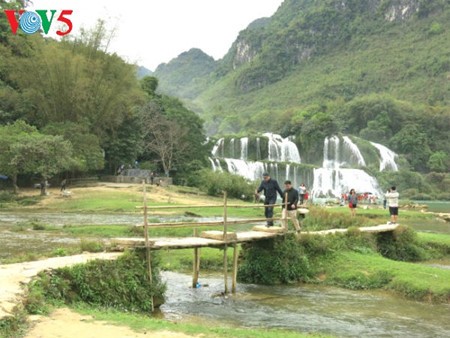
{"type": "Point", "coordinates": [24, 150]}
{"type": "Point", "coordinates": [149, 85]}
{"type": "Point", "coordinates": [45, 155]}
{"type": "Point", "coordinates": [77, 81]}
{"type": "Point", "coordinates": [413, 142]}
{"type": "Point", "coordinates": [87, 153]}
{"type": "Point", "coordinates": [10, 136]}
{"type": "Point", "coordinates": [439, 162]}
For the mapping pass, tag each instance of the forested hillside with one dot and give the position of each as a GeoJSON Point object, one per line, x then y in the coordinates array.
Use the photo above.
{"type": "Point", "coordinates": [72, 108]}
{"type": "Point", "coordinates": [378, 69]}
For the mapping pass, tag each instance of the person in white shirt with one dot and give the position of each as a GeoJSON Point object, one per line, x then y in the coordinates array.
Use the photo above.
{"type": "Point", "coordinates": [392, 201]}
{"type": "Point", "coordinates": [302, 192]}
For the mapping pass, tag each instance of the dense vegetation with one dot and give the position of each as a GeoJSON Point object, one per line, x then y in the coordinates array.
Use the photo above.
{"type": "Point", "coordinates": [374, 69]}
{"type": "Point", "coordinates": [70, 107]}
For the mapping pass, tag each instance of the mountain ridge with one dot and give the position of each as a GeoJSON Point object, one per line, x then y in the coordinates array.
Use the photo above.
{"type": "Point", "coordinates": [313, 66]}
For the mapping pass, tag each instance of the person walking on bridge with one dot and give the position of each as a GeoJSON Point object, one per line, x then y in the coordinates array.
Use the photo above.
{"type": "Point", "coordinates": [392, 202]}
{"type": "Point", "coordinates": [290, 206]}
{"type": "Point", "coordinates": [270, 188]}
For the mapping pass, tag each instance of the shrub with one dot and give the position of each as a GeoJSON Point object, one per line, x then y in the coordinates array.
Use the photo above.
{"type": "Point", "coordinates": [59, 252]}
{"type": "Point", "coordinates": [6, 196]}
{"type": "Point", "coordinates": [401, 245]}
{"type": "Point", "coordinates": [274, 261]}
{"type": "Point", "coordinates": [91, 246]}
{"type": "Point", "coordinates": [121, 284]}
{"type": "Point", "coordinates": [38, 226]}
{"type": "Point", "coordinates": [214, 183]}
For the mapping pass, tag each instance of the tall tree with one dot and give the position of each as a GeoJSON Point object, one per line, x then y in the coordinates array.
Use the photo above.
{"type": "Point", "coordinates": [164, 138]}
{"type": "Point", "coordinates": [45, 155]}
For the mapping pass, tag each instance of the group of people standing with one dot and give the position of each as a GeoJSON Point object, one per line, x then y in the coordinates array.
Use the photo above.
{"type": "Point", "coordinates": [290, 196]}
{"type": "Point", "coordinates": [390, 200]}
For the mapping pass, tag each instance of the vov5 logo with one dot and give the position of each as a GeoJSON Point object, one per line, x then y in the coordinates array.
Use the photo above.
{"type": "Point", "coordinates": [30, 22]}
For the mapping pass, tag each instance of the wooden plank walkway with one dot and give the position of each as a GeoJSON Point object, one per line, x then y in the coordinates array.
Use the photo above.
{"type": "Point", "coordinates": [210, 238]}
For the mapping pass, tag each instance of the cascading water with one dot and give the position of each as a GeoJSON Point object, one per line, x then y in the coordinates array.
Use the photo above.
{"type": "Point", "coordinates": [354, 151]}
{"type": "Point", "coordinates": [250, 157]}
{"type": "Point", "coordinates": [217, 150]}
{"type": "Point", "coordinates": [387, 157]}
{"type": "Point", "coordinates": [232, 148]}
{"type": "Point", "coordinates": [282, 149]}
{"type": "Point", "coordinates": [244, 148]}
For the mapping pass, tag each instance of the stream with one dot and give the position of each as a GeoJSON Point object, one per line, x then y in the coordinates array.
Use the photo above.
{"type": "Point", "coordinates": [305, 308]}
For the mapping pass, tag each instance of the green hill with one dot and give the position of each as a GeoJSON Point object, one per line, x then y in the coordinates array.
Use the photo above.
{"type": "Point", "coordinates": [186, 75]}
{"type": "Point", "coordinates": [378, 69]}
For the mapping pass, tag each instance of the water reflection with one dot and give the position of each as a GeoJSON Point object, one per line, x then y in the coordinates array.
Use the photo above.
{"type": "Point", "coordinates": [305, 308]}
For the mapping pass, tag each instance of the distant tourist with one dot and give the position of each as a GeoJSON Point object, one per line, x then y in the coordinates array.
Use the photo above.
{"type": "Point", "coordinates": [302, 192]}
{"type": "Point", "coordinates": [120, 169]}
{"type": "Point", "coordinates": [385, 200]}
{"type": "Point", "coordinates": [270, 188]}
{"type": "Point", "coordinates": [63, 184]}
{"type": "Point", "coordinates": [352, 201]}
{"type": "Point", "coordinates": [392, 201]}
{"type": "Point", "coordinates": [290, 210]}
{"type": "Point", "coordinates": [152, 177]}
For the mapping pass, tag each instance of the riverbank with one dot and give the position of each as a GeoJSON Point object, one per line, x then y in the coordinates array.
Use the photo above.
{"type": "Point", "coordinates": [88, 322]}
{"type": "Point", "coordinates": [357, 268]}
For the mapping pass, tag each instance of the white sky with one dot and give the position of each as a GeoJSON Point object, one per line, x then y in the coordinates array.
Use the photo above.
{"type": "Point", "coordinates": [149, 32]}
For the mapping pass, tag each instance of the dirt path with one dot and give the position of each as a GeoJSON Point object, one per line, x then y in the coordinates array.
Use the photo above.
{"type": "Point", "coordinates": [64, 323]}
{"type": "Point", "coordinates": [14, 276]}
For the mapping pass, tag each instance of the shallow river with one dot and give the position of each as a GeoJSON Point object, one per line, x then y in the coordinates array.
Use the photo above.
{"type": "Point", "coordinates": [305, 308]}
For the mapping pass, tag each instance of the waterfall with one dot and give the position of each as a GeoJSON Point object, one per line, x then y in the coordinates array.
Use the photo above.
{"type": "Point", "coordinates": [244, 148]}
{"type": "Point", "coordinates": [332, 179]}
{"type": "Point", "coordinates": [331, 146]}
{"type": "Point", "coordinates": [250, 157]}
{"type": "Point", "coordinates": [248, 169]}
{"type": "Point", "coordinates": [213, 165]}
{"type": "Point", "coordinates": [334, 182]}
{"type": "Point", "coordinates": [354, 150]}
{"type": "Point", "coordinates": [217, 150]}
{"type": "Point", "coordinates": [282, 149]}
{"type": "Point", "coordinates": [232, 148]}
{"type": "Point", "coordinates": [387, 157]}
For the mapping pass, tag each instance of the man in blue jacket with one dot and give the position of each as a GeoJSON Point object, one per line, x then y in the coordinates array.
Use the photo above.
{"type": "Point", "coordinates": [270, 188]}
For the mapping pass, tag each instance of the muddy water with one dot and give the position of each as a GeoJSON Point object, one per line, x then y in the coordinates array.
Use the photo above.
{"type": "Point", "coordinates": [60, 219]}
{"type": "Point", "coordinates": [305, 308]}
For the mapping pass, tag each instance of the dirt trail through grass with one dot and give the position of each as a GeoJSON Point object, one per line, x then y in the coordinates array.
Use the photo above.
{"type": "Point", "coordinates": [13, 277]}
{"type": "Point", "coordinates": [64, 323]}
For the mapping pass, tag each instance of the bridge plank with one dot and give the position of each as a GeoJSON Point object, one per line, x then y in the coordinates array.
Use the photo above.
{"type": "Point", "coordinates": [261, 233]}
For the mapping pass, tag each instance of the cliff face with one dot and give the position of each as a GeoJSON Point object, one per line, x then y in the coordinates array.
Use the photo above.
{"type": "Point", "coordinates": [271, 49]}
{"type": "Point", "coordinates": [301, 29]}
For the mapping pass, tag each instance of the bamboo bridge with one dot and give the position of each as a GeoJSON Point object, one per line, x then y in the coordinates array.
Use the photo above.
{"type": "Point", "coordinates": [218, 238]}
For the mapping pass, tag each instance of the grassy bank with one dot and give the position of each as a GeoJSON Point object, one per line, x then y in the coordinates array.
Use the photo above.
{"type": "Point", "coordinates": [372, 271]}
{"type": "Point", "coordinates": [143, 323]}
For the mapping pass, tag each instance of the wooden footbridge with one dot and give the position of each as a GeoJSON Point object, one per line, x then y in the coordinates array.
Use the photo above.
{"type": "Point", "coordinates": [217, 238]}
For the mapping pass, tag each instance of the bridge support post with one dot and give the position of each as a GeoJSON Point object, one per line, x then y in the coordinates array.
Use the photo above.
{"type": "Point", "coordinates": [225, 239]}
{"type": "Point", "coordinates": [235, 267]}
{"type": "Point", "coordinates": [147, 242]}
{"type": "Point", "coordinates": [196, 264]}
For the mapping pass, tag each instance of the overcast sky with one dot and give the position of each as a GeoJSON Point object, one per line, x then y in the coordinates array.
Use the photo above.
{"type": "Point", "coordinates": [149, 32]}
